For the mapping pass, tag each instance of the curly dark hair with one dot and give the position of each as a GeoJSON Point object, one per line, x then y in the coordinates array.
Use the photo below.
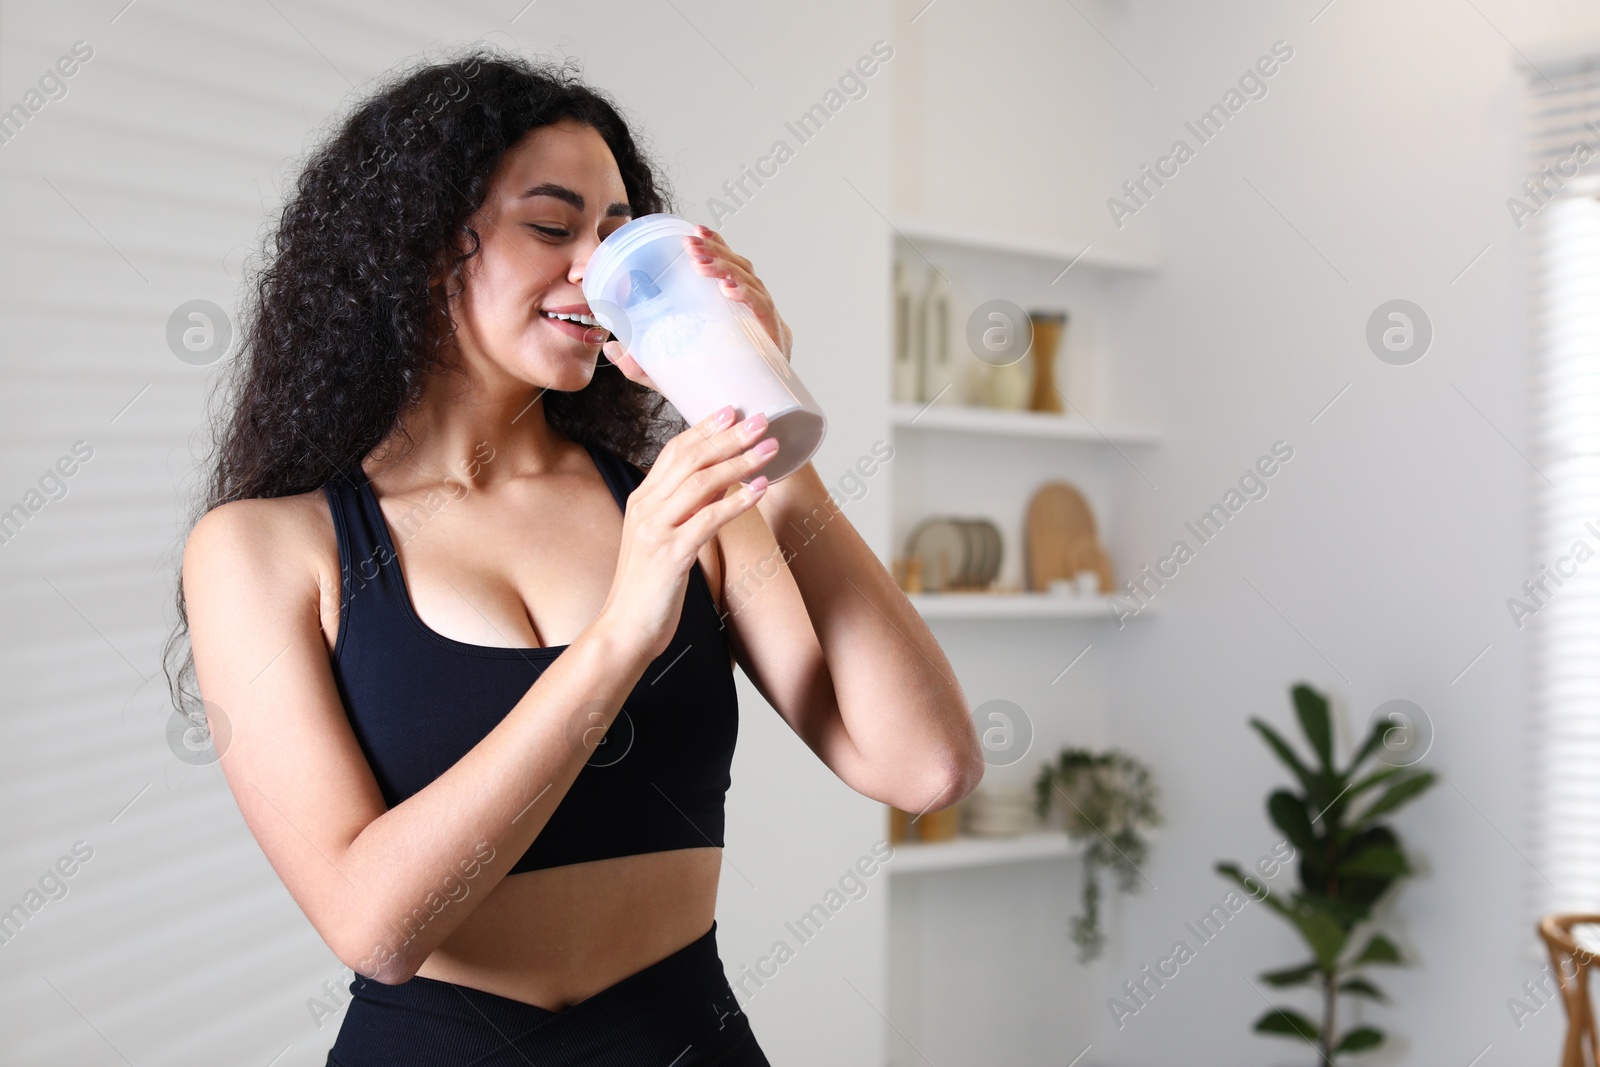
{"type": "Point", "coordinates": [341, 328]}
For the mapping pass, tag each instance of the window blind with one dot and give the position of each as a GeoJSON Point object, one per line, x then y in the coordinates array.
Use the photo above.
{"type": "Point", "coordinates": [1558, 211]}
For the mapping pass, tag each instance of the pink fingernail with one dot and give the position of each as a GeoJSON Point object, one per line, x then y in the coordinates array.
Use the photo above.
{"type": "Point", "coordinates": [758, 484]}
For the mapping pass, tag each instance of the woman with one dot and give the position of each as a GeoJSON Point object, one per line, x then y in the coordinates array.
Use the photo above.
{"type": "Point", "coordinates": [474, 664]}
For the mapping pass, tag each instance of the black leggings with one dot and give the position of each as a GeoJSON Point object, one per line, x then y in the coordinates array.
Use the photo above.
{"type": "Point", "coordinates": [677, 1012]}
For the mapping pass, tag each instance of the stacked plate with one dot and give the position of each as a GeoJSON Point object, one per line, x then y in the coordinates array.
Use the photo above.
{"type": "Point", "coordinates": [956, 553]}
{"type": "Point", "coordinates": [998, 811]}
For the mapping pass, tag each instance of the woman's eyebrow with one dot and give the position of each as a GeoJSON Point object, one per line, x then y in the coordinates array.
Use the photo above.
{"type": "Point", "coordinates": [570, 196]}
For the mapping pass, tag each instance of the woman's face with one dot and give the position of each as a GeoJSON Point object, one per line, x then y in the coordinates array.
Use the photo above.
{"type": "Point", "coordinates": [554, 197]}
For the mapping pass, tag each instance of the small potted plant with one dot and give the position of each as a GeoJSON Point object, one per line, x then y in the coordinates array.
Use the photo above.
{"type": "Point", "coordinates": [1107, 802]}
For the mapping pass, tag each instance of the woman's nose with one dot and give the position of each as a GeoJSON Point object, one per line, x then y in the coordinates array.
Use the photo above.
{"type": "Point", "coordinates": [580, 258]}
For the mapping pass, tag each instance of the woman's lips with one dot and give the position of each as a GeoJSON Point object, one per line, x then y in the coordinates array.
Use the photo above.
{"type": "Point", "coordinates": [591, 335]}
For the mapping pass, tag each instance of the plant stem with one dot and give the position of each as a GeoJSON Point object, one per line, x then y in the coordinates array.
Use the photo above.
{"type": "Point", "coordinates": [1331, 979]}
{"type": "Point", "coordinates": [1330, 1002]}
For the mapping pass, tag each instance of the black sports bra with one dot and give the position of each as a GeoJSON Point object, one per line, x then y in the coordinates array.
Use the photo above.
{"type": "Point", "coordinates": [419, 701]}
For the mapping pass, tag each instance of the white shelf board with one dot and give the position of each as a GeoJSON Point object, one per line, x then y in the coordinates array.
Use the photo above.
{"type": "Point", "coordinates": [1013, 606]}
{"type": "Point", "coordinates": [1104, 255]}
{"type": "Point", "coordinates": [964, 852]}
{"type": "Point", "coordinates": [957, 418]}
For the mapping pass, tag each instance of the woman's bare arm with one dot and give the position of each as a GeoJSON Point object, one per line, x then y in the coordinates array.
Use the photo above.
{"type": "Point", "coordinates": [823, 630]}
{"type": "Point", "coordinates": [382, 887]}
{"type": "Point", "coordinates": [830, 640]}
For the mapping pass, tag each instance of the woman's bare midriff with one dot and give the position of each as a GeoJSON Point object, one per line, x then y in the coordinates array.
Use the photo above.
{"type": "Point", "coordinates": [554, 937]}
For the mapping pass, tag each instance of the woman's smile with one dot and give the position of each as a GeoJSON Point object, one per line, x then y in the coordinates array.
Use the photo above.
{"type": "Point", "coordinates": [576, 321]}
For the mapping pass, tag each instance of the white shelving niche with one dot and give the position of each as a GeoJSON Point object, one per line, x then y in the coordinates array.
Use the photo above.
{"type": "Point", "coordinates": [997, 908]}
{"type": "Point", "coordinates": [967, 460]}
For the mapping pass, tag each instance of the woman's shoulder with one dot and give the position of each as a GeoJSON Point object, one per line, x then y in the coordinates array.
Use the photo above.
{"type": "Point", "coordinates": [270, 540]}
{"type": "Point", "coordinates": [295, 516]}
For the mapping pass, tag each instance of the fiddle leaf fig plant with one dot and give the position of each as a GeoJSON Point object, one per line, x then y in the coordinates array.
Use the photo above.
{"type": "Point", "coordinates": [1349, 859]}
{"type": "Point", "coordinates": [1108, 801]}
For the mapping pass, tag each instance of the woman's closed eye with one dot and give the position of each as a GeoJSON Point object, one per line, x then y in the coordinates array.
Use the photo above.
{"type": "Point", "coordinates": [549, 231]}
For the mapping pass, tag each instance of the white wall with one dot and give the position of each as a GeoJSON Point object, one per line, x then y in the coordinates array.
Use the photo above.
{"type": "Point", "coordinates": [1381, 560]}
{"type": "Point", "coordinates": [1016, 113]}
{"type": "Point", "coordinates": [177, 943]}
{"type": "Point", "coordinates": [1389, 543]}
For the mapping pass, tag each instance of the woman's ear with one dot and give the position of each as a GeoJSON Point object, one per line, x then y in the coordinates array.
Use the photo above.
{"type": "Point", "coordinates": [463, 241]}
{"type": "Point", "coordinates": [440, 273]}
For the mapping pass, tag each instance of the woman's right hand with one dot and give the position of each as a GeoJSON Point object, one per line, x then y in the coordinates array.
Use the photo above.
{"type": "Point", "coordinates": [680, 504]}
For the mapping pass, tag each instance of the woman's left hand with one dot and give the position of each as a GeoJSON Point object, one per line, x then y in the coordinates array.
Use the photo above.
{"type": "Point", "coordinates": [712, 257]}
{"type": "Point", "coordinates": [716, 259]}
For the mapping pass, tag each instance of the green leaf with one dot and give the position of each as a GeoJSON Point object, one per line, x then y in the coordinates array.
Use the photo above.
{"type": "Point", "coordinates": [1316, 920]}
{"type": "Point", "coordinates": [1309, 781]}
{"type": "Point", "coordinates": [1042, 783]}
{"type": "Point", "coordinates": [1292, 976]}
{"type": "Point", "coordinates": [1312, 707]}
{"type": "Point", "coordinates": [1379, 950]}
{"type": "Point", "coordinates": [1376, 778]}
{"type": "Point", "coordinates": [1360, 987]}
{"type": "Point", "coordinates": [1373, 742]}
{"type": "Point", "coordinates": [1363, 890]}
{"type": "Point", "coordinates": [1231, 870]}
{"type": "Point", "coordinates": [1395, 796]}
{"type": "Point", "coordinates": [1322, 932]}
{"type": "Point", "coordinates": [1359, 1040]}
{"type": "Point", "coordinates": [1288, 812]}
{"type": "Point", "coordinates": [1343, 911]}
{"type": "Point", "coordinates": [1335, 908]}
{"type": "Point", "coordinates": [1289, 1023]}
{"type": "Point", "coordinates": [1383, 861]}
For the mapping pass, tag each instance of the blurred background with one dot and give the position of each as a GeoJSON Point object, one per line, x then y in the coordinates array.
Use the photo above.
{"type": "Point", "coordinates": [1152, 435]}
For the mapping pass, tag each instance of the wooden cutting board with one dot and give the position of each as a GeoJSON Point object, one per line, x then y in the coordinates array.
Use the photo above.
{"type": "Point", "coordinates": [1061, 538]}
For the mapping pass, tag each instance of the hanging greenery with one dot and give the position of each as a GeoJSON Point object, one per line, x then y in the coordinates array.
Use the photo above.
{"type": "Point", "coordinates": [1107, 802]}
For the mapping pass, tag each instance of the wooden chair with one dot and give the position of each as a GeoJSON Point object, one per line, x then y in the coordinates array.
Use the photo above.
{"type": "Point", "coordinates": [1571, 963]}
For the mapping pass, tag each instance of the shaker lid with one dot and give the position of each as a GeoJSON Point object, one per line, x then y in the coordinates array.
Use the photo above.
{"type": "Point", "coordinates": [641, 288]}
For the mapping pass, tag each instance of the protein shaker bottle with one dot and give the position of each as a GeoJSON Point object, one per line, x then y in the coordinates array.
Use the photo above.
{"type": "Point", "coordinates": [703, 349]}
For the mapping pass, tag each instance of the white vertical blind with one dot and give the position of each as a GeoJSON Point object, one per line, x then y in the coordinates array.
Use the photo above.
{"type": "Point", "coordinates": [131, 186]}
{"type": "Point", "coordinates": [1564, 261]}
